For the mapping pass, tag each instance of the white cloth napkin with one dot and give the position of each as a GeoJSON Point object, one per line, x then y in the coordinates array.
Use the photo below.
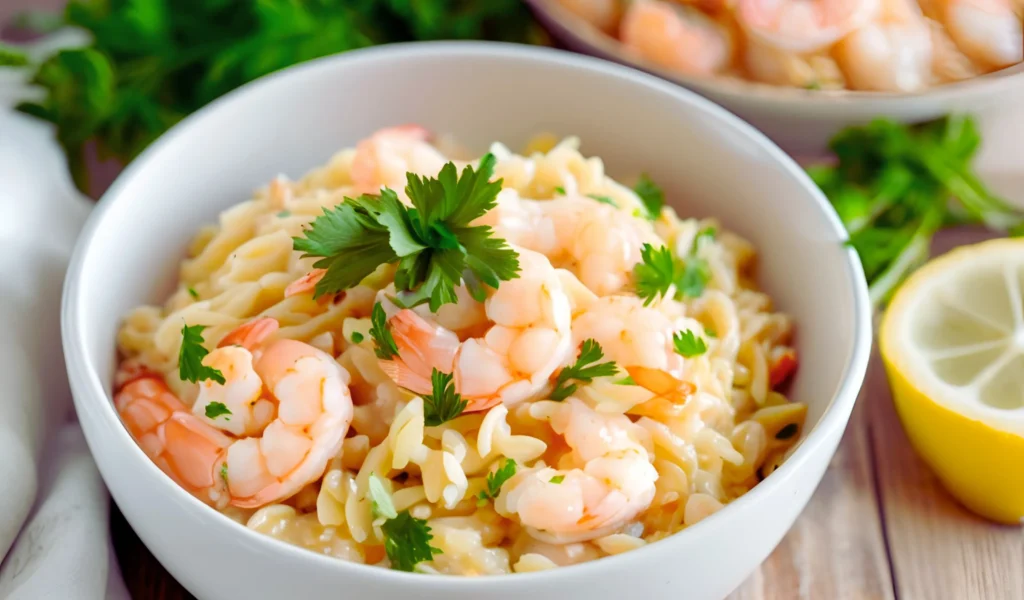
{"type": "Point", "coordinates": [54, 509]}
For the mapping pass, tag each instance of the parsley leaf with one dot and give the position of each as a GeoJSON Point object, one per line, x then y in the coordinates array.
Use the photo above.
{"type": "Point", "coordinates": [12, 57]}
{"type": "Point", "coordinates": [443, 404]}
{"type": "Point", "coordinates": [190, 357]}
{"type": "Point", "coordinates": [560, 190]}
{"type": "Point", "coordinates": [603, 200]}
{"type": "Point", "coordinates": [407, 541]}
{"type": "Point", "coordinates": [557, 479]}
{"type": "Point", "coordinates": [381, 504]}
{"type": "Point", "coordinates": [584, 370]}
{"type": "Point", "coordinates": [688, 345]}
{"type": "Point", "coordinates": [651, 195]}
{"type": "Point", "coordinates": [216, 409]}
{"type": "Point", "coordinates": [495, 480]}
{"type": "Point", "coordinates": [384, 345]}
{"type": "Point", "coordinates": [659, 269]}
{"type": "Point", "coordinates": [707, 233]}
{"type": "Point", "coordinates": [224, 472]}
{"type": "Point", "coordinates": [627, 380]}
{"type": "Point", "coordinates": [192, 292]}
{"type": "Point", "coordinates": [357, 338]}
{"type": "Point", "coordinates": [710, 332]}
{"type": "Point", "coordinates": [433, 243]}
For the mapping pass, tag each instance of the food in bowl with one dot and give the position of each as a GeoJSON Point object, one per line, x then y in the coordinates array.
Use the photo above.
{"type": "Point", "coordinates": [872, 45]}
{"type": "Point", "coordinates": [484, 366]}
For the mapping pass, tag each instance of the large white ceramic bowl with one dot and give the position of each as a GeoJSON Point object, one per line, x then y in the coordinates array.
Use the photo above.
{"type": "Point", "coordinates": [710, 162]}
{"type": "Point", "coordinates": [801, 121]}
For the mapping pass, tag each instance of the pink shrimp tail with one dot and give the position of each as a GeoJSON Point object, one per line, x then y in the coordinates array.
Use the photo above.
{"type": "Point", "coordinates": [251, 335]}
{"type": "Point", "coordinates": [305, 284]}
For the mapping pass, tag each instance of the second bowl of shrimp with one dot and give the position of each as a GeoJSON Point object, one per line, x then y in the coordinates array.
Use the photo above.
{"type": "Point", "coordinates": [521, 334]}
{"type": "Point", "coordinates": [802, 70]}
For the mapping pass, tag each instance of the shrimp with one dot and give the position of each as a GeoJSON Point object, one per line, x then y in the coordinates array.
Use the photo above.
{"type": "Point", "coordinates": [599, 487]}
{"type": "Point", "coordinates": [782, 67]}
{"type": "Point", "coordinates": [288, 411]}
{"type": "Point", "coordinates": [680, 38]}
{"type": "Point", "coordinates": [597, 242]}
{"type": "Point", "coordinates": [803, 26]}
{"type": "Point", "coordinates": [511, 361]}
{"type": "Point", "coordinates": [384, 158]}
{"type": "Point", "coordinates": [987, 31]}
{"type": "Point", "coordinates": [893, 53]}
{"type": "Point", "coordinates": [603, 14]}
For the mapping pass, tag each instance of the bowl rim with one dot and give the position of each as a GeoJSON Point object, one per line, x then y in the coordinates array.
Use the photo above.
{"type": "Point", "coordinates": [88, 384]}
{"type": "Point", "coordinates": [610, 48]}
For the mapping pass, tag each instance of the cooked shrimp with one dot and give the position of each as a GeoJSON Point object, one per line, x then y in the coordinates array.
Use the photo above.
{"type": "Point", "coordinates": [293, 412]}
{"type": "Point", "coordinates": [803, 25]}
{"type": "Point", "coordinates": [680, 38]}
{"type": "Point", "coordinates": [598, 488]}
{"type": "Point", "coordinates": [603, 14]}
{"type": "Point", "coordinates": [783, 67]}
{"type": "Point", "coordinates": [385, 157]}
{"type": "Point", "coordinates": [631, 334]}
{"type": "Point", "coordinates": [988, 31]}
{"type": "Point", "coordinates": [597, 242]}
{"type": "Point", "coordinates": [512, 361]}
{"type": "Point", "coordinates": [893, 53]}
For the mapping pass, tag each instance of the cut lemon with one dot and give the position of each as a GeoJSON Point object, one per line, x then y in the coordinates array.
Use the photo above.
{"type": "Point", "coordinates": [952, 341]}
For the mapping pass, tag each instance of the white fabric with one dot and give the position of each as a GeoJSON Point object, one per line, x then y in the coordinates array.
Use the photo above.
{"type": "Point", "coordinates": [54, 509]}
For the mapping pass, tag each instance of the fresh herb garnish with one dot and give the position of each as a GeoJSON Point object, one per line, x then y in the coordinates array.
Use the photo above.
{"type": "Point", "coordinates": [190, 357]}
{"type": "Point", "coordinates": [12, 57]}
{"type": "Point", "coordinates": [660, 269]}
{"type": "Point", "coordinates": [433, 243]}
{"type": "Point", "coordinates": [407, 541]}
{"type": "Point", "coordinates": [557, 479]}
{"type": "Point", "coordinates": [381, 504]}
{"type": "Point", "coordinates": [495, 480]}
{"type": "Point", "coordinates": [357, 338]}
{"type": "Point", "coordinates": [152, 62]}
{"type": "Point", "coordinates": [707, 233]}
{"type": "Point", "coordinates": [710, 332]}
{"type": "Point", "coordinates": [217, 409]}
{"type": "Point", "coordinates": [560, 190]}
{"type": "Point", "coordinates": [688, 345]}
{"type": "Point", "coordinates": [603, 200]}
{"type": "Point", "coordinates": [651, 196]}
{"type": "Point", "coordinates": [584, 370]}
{"type": "Point", "coordinates": [627, 380]}
{"type": "Point", "coordinates": [892, 186]}
{"type": "Point", "coordinates": [443, 404]}
{"type": "Point", "coordinates": [192, 292]}
{"type": "Point", "coordinates": [224, 472]}
{"type": "Point", "coordinates": [384, 345]}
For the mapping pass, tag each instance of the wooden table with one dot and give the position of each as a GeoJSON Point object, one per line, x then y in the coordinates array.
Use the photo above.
{"type": "Point", "coordinates": [878, 527]}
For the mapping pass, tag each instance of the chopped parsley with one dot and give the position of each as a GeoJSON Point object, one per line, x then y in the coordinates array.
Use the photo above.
{"type": "Point", "coordinates": [688, 345]}
{"type": "Point", "coordinates": [584, 370]}
{"type": "Point", "coordinates": [381, 504]}
{"type": "Point", "coordinates": [560, 190]}
{"type": "Point", "coordinates": [357, 338]}
{"type": "Point", "coordinates": [660, 269]}
{"type": "Point", "coordinates": [495, 480]}
{"type": "Point", "coordinates": [218, 409]}
{"type": "Point", "coordinates": [407, 541]}
{"type": "Point", "coordinates": [190, 357]}
{"type": "Point", "coordinates": [224, 472]}
{"type": "Point", "coordinates": [603, 200]}
{"type": "Point", "coordinates": [707, 233]}
{"type": "Point", "coordinates": [627, 380]}
{"type": "Point", "coordinates": [710, 332]}
{"type": "Point", "coordinates": [557, 479]}
{"type": "Point", "coordinates": [192, 292]}
{"type": "Point", "coordinates": [432, 243]}
{"type": "Point", "coordinates": [384, 344]}
{"type": "Point", "coordinates": [651, 196]}
{"type": "Point", "coordinates": [443, 404]}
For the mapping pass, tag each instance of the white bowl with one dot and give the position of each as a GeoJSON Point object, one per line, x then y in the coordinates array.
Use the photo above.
{"type": "Point", "coordinates": [710, 163]}
{"type": "Point", "coordinates": [801, 121]}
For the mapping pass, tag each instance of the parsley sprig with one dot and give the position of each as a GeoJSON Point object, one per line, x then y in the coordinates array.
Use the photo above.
{"type": "Point", "coordinates": [406, 538]}
{"type": "Point", "coordinates": [651, 195]}
{"type": "Point", "coordinates": [384, 345]}
{"type": "Point", "coordinates": [433, 243]}
{"type": "Point", "coordinates": [218, 409]}
{"type": "Point", "coordinates": [892, 186]}
{"type": "Point", "coordinates": [443, 404]}
{"type": "Point", "coordinates": [584, 370]}
{"type": "Point", "coordinates": [660, 270]}
{"type": "Point", "coordinates": [495, 480]}
{"type": "Point", "coordinates": [688, 345]}
{"type": "Point", "coordinates": [191, 354]}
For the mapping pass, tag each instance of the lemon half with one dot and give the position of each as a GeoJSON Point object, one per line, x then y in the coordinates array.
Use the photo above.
{"type": "Point", "coordinates": [953, 345]}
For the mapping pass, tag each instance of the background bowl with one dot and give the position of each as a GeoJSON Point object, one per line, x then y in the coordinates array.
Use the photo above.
{"type": "Point", "coordinates": [801, 121]}
{"type": "Point", "coordinates": [709, 162]}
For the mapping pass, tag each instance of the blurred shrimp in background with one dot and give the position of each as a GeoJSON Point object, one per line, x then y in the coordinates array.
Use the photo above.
{"type": "Point", "coordinates": [871, 45]}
